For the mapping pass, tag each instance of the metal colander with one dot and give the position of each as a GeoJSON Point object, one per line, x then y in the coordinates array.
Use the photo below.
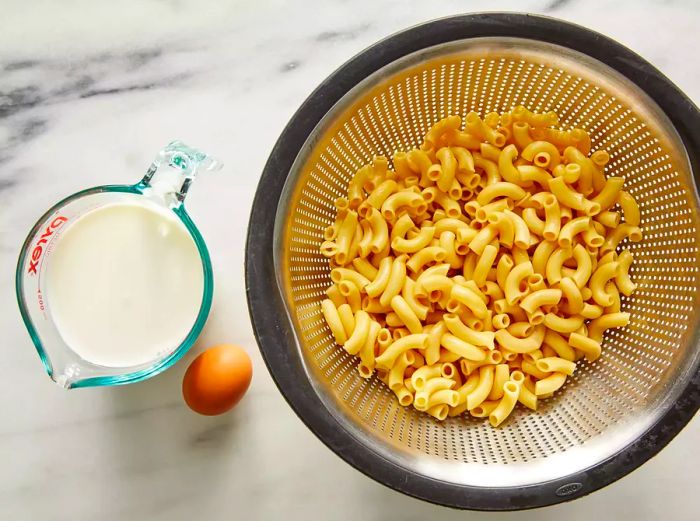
{"type": "Point", "coordinates": [615, 413]}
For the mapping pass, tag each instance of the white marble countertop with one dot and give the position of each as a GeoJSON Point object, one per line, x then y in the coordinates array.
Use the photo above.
{"type": "Point", "coordinates": [89, 91]}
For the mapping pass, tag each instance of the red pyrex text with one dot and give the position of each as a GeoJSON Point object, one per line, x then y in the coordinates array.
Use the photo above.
{"type": "Point", "coordinates": [38, 248]}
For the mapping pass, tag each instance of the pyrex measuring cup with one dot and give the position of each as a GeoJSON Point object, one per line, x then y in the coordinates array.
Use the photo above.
{"type": "Point", "coordinates": [165, 185]}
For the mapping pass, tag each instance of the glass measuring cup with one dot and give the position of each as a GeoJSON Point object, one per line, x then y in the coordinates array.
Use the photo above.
{"type": "Point", "coordinates": [164, 185]}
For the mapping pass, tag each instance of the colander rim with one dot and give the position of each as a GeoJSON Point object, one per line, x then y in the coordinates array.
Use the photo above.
{"type": "Point", "coordinates": [273, 331]}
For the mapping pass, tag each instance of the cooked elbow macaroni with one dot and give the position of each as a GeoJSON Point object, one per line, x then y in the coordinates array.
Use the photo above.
{"type": "Point", "coordinates": [479, 271]}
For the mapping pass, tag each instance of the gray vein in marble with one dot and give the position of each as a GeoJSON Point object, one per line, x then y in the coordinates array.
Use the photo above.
{"type": "Point", "coordinates": [32, 127]}
{"type": "Point", "coordinates": [78, 79]}
{"type": "Point", "coordinates": [6, 183]}
{"type": "Point", "coordinates": [30, 85]}
{"type": "Point", "coordinates": [19, 65]}
{"type": "Point", "coordinates": [21, 133]}
{"type": "Point", "coordinates": [212, 436]}
{"type": "Point", "coordinates": [556, 4]}
{"type": "Point", "coordinates": [290, 66]}
{"type": "Point", "coordinates": [19, 99]}
{"type": "Point", "coordinates": [143, 57]}
{"type": "Point", "coordinates": [131, 88]}
{"type": "Point", "coordinates": [348, 34]}
{"type": "Point", "coordinates": [79, 84]}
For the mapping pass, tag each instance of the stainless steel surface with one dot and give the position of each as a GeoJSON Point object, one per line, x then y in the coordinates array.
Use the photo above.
{"type": "Point", "coordinates": [608, 404]}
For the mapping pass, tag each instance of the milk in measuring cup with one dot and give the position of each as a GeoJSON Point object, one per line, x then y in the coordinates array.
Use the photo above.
{"type": "Point", "coordinates": [125, 284]}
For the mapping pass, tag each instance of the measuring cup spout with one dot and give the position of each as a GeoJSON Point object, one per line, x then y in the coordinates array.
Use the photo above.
{"type": "Point", "coordinates": [169, 177]}
{"type": "Point", "coordinates": [64, 367]}
{"type": "Point", "coordinates": [69, 377]}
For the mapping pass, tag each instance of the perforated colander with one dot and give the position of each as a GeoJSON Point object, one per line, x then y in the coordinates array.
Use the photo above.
{"type": "Point", "coordinates": [614, 414]}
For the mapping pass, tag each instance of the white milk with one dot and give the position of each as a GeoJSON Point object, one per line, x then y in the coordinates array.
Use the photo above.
{"type": "Point", "coordinates": [125, 284]}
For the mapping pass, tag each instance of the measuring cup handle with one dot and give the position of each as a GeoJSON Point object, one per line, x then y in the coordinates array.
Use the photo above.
{"type": "Point", "coordinates": [172, 171]}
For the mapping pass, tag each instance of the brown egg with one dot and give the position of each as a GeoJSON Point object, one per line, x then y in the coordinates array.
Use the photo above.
{"type": "Point", "coordinates": [217, 379]}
